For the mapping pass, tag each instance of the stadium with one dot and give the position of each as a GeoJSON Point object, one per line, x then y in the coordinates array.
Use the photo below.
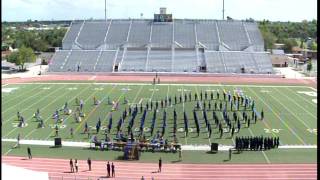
{"type": "Point", "coordinates": [202, 46]}
{"type": "Point", "coordinates": [201, 94]}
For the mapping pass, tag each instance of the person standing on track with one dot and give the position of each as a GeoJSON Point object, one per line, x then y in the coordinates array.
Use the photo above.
{"type": "Point", "coordinates": [29, 153]}
{"type": "Point", "coordinates": [89, 163]}
{"type": "Point", "coordinates": [108, 169]}
{"type": "Point", "coordinates": [76, 164]}
{"type": "Point", "coordinates": [112, 171]}
{"type": "Point", "coordinates": [160, 165]}
{"type": "Point", "coordinates": [71, 166]}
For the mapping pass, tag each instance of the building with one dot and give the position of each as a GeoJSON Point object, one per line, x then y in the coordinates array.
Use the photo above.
{"type": "Point", "coordinates": [279, 58]}
{"type": "Point", "coordinates": [306, 53]}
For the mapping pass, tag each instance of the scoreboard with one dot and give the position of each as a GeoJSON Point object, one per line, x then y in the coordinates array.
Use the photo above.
{"type": "Point", "coordinates": [162, 18]}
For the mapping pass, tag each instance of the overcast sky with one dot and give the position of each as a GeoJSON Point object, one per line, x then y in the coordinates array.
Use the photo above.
{"type": "Point", "coordinates": [274, 10]}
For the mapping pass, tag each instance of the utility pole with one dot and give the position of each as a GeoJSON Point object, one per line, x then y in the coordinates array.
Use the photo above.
{"type": "Point", "coordinates": [105, 10]}
{"type": "Point", "coordinates": [222, 9]}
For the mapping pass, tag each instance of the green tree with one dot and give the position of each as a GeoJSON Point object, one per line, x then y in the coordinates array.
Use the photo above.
{"type": "Point", "coordinates": [309, 66]}
{"type": "Point", "coordinates": [269, 38]}
{"type": "Point", "coordinates": [314, 46]}
{"type": "Point", "coordinates": [13, 57]}
{"type": "Point", "coordinates": [301, 43]}
{"type": "Point", "coordinates": [23, 56]}
{"type": "Point", "coordinates": [289, 44]}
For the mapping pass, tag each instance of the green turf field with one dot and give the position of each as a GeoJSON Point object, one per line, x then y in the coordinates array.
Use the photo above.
{"type": "Point", "coordinates": [290, 111]}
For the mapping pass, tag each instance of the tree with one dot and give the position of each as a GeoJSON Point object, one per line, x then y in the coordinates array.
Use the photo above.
{"type": "Point", "coordinates": [314, 46]}
{"type": "Point", "coordinates": [309, 66]}
{"type": "Point", "coordinates": [269, 38]}
{"type": "Point", "coordinates": [13, 57]}
{"type": "Point", "coordinates": [289, 44]}
{"type": "Point", "coordinates": [23, 56]}
{"type": "Point", "coordinates": [301, 43]}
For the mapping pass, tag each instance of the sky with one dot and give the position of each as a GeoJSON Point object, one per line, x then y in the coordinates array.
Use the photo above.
{"type": "Point", "coordinates": [273, 10]}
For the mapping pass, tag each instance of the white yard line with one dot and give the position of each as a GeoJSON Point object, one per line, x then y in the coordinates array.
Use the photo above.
{"type": "Point", "coordinates": [184, 147]}
{"type": "Point", "coordinates": [79, 125]}
{"type": "Point", "coordinates": [264, 154]}
{"type": "Point", "coordinates": [301, 96]}
{"type": "Point", "coordinates": [283, 122]}
{"type": "Point", "coordinates": [201, 108]}
{"type": "Point", "coordinates": [185, 138]}
{"type": "Point", "coordinates": [34, 95]}
{"type": "Point", "coordinates": [135, 98]}
{"type": "Point", "coordinates": [31, 116]}
{"type": "Point", "coordinates": [312, 88]}
{"type": "Point", "coordinates": [40, 99]}
{"type": "Point", "coordinates": [6, 153]}
{"type": "Point", "coordinates": [265, 125]}
{"type": "Point", "coordinates": [296, 103]}
{"type": "Point", "coordinates": [290, 112]}
{"type": "Point", "coordinates": [56, 100]}
{"type": "Point", "coordinates": [19, 96]}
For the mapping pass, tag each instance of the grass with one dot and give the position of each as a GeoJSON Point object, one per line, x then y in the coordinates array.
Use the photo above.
{"type": "Point", "coordinates": [289, 114]}
{"type": "Point", "coordinates": [275, 155]}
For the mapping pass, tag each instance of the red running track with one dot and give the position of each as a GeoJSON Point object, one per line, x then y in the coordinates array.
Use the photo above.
{"type": "Point", "coordinates": [58, 168]}
{"type": "Point", "coordinates": [167, 79]}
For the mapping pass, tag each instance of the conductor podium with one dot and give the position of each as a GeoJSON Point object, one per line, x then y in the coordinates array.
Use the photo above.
{"type": "Point", "coordinates": [57, 142]}
{"type": "Point", "coordinates": [131, 151]}
{"type": "Point", "coordinates": [214, 147]}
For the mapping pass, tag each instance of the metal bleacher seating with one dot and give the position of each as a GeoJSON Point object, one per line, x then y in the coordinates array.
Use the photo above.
{"type": "Point", "coordinates": [134, 61]}
{"type": "Point", "coordinates": [57, 61]}
{"type": "Point", "coordinates": [104, 63]}
{"type": "Point", "coordinates": [233, 34]}
{"type": "Point", "coordinates": [160, 60]}
{"type": "Point", "coordinates": [185, 61]}
{"type": "Point", "coordinates": [141, 45]}
{"type": "Point", "coordinates": [184, 33]}
{"type": "Point", "coordinates": [140, 33]}
{"type": "Point", "coordinates": [92, 34]}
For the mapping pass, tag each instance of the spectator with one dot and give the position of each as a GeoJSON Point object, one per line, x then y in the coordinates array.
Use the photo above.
{"type": "Point", "coordinates": [29, 153]}
{"type": "Point", "coordinates": [89, 163]}
{"type": "Point", "coordinates": [71, 166]}
{"type": "Point", "coordinates": [160, 165]}
{"type": "Point", "coordinates": [76, 164]}
{"type": "Point", "coordinates": [112, 170]}
{"type": "Point", "coordinates": [108, 169]}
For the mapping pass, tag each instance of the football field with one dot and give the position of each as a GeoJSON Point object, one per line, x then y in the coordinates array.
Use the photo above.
{"type": "Point", "coordinates": [289, 111]}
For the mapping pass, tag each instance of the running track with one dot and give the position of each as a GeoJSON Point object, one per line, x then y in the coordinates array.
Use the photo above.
{"type": "Point", "coordinates": [167, 79]}
{"type": "Point", "coordinates": [132, 170]}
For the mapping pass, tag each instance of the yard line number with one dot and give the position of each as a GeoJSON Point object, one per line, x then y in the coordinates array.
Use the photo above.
{"type": "Point", "coordinates": [313, 131]}
{"type": "Point", "coordinates": [272, 130]}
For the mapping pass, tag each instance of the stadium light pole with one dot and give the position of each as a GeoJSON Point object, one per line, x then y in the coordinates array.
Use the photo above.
{"type": "Point", "coordinates": [222, 9]}
{"type": "Point", "coordinates": [105, 10]}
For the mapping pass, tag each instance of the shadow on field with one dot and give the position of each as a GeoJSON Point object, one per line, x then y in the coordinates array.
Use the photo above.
{"type": "Point", "coordinates": [176, 161]}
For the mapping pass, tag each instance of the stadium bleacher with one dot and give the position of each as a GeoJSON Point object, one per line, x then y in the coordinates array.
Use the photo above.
{"type": "Point", "coordinates": [141, 45]}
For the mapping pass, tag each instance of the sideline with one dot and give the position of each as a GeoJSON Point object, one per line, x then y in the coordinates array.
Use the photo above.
{"type": "Point", "coordinates": [184, 147]}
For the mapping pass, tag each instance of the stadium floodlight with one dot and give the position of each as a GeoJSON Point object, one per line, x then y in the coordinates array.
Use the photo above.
{"type": "Point", "coordinates": [105, 10]}
{"type": "Point", "coordinates": [223, 10]}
